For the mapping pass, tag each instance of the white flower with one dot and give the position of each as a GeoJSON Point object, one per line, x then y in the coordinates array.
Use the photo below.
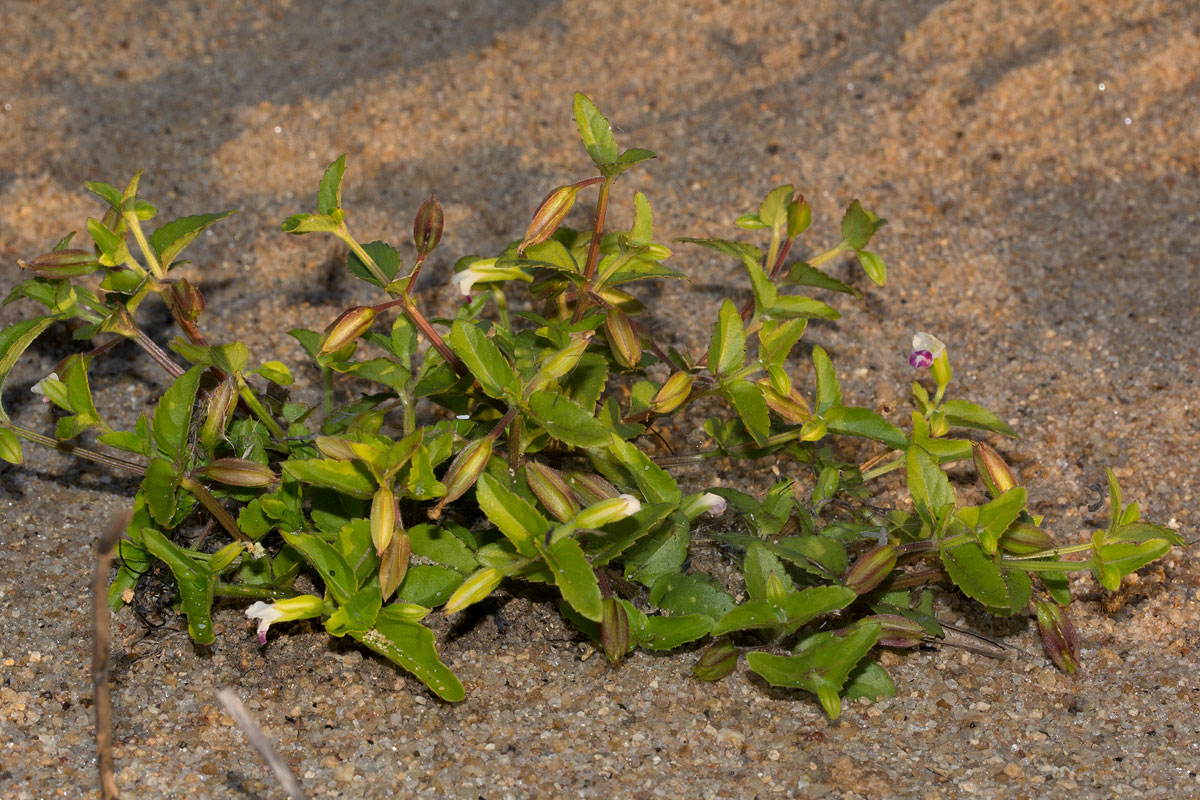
{"type": "Point", "coordinates": [600, 514]}
{"type": "Point", "coordinates": [712, 503]}
{"type": "Point", "coordinates": [925, 350]}
{"type": "Point", "coordinates": [265, 613]}
{"type": "Point", "coordinates": [300, 607]}
{"type": "Point", "coordinates": [484, 270]}
{"type": "Point", "coordinates": [48, 384]}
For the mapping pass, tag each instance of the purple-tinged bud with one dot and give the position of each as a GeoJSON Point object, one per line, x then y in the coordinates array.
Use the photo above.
{"type": "Point", "coordinates": [626, 346]}
{"type": "Point", "coordinates": [992, 469]}
{"type": "Point", "coordinates": [871, 568]}
{"type": "Point", "coordinates": [464, 471]}
{"type": "Point", "coordinates": [427, 227]}
{"type": "Point", "coordinates": [791, 407]}
{"type": "Point", "coordinates": [1058, 635]}
{"type": "Point", "coordinates": [673, 393]}
{"type": "Point", "coordinates": [239, 472]}
{"type": "Point", "coordinates": [549, 215]}
{"type": "Point", "coordinates": [476, 587]}
{"type": "Point", "coordinates": [898, 631]}
{"type": "Point", "coordinates": [1023, 539]}
{"type": "Point", "coordinates": [611, 510]}
{"type": "Point", "coordinates": [59, 264]}
{"type": "Point", "coordinates": [614, 629]}
{"type": "Point", "coordinates": [350, 324]}
{"type": "Point", "coordinates": [383, 518]}
{"type": "Point", "coordinates": [218, 411]}
{"type": "Point", "coordinates": [925, 350]}
{"type": "Point", "coordinates": [717, 661]}
{"type": "Point", "coordinates": [188, 298]}
{"type": "Point", "coordinates": [551, 489]}
{"type": "Point", "coordinates": [393, 563]}
{"type": "Point", "coordinates": [590, 488]}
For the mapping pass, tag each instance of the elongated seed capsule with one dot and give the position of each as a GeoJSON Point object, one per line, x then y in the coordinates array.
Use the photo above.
{"type": "Point", "coordinates": [790, 407]}
{"type": "Point", "coordinates": [239, 472]}
{"type": "Point", "coordinates": [1058, 635]}
{"type": "Point", "coordinates": [606, 511]}
{"type": "Point", "coordinates": [870, 569]}
{"type": "Point", "coordinates": [813, 430]}
{"type": "Point", "coordinates": [59, 264]}
{"type": "Point", "coordinates": [218, 411]}
{"type": "Point", "coordinates": [1022, 539]}
{"type": "Point", "coordinates": [393, 563]}
{"type": "Point", "coordinates": [623, 342]}
{"type": "Point", "coordinates": [427, 226]}
{"type": "Point", "coordinates": [549, 215]}
{"type": "Point", "coordinates": [463, 472]}
{"type": "Point", "coordinates": [549, 486]}
{"type": "Point", "coordinates": [717, 661]}
{"type": "Point", "coordinates": [383, 518]}
{"type": "Point", "coordinates": [898, 631]}
{"type": "Point", "coordinates": [614, 629]}
{"type": "Point", "coordinates": [590, 488]}
{"type": "Point", "coordinates": [476, 587]}
{"type": "Point", "coordinates": [188, 298]}
{"type": "Point", "coordinates": [673, 393]}
{"type": "Point", "coordinates": [992, 469]}
{"type": "Point", "coordinates": [348, 327]}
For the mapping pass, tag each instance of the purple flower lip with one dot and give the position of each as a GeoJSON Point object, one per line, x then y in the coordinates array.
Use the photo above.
{"type": "Point", "coordinates": [920, 359]}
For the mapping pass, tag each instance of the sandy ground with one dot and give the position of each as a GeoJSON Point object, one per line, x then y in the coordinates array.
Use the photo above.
{"type": "Point", "coordinates": [1038, 165]}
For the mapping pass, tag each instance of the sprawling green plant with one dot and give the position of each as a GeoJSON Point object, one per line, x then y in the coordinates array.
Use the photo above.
{"type": "Point", "coordinates": [519, 444]}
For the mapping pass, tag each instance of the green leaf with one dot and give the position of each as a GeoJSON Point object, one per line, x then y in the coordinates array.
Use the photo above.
{"type": "Point", "coordinates": [1111, 562]}
{"type": "Point", "coordinates": [797, 307]}
{"type": "Point", "coordinates": [873, 265]}
{"type": "Point", "coordinates": [10, 447]}
{"type": "Point", "coordinates": [632, 156]}
{"type": "Point", "coordinates": [858, 225]}
{"type": "Point", "coordinates": [750, 256]}
{"type": "Point", "coordinates": [567, 421]}
{"type": "Point", "coordinates": [411, 646]}
{"type": "Point", "coordinates": [349, 477]}
{"type": "Point", "coordinates": [820, 555]}
{"type": "Point", "coordinates": [964, 414]}
{"type": "Point", "coordinates": [642, 231]}
{"type": "Point", "coordinates": [928, 485]}
{"type": "Point", "coordinates": [747, 399]}
{"type": "Point", "coordinates": [802, 274]}
{"type": "Point", "coordinates": [821, 669]}
{"type": "Point", "coordinates": [1020, 592]}
{"type": "Point", "coordinates": [429, 585]}
{"type": "Point", "coordinates": [197, 586]}
{"type": "Point", "coordinates": [661, 553]}
{"type": "Point", "coordinates": [864, 422]}
{"type": "Point", "coordinates": [758, 565]}
{"type": "Point", "coordinates": [112, 247]}
{"type": "Point", "coordinates": [439, 544]}
{"type": "Point", "coordinates": [170, 238]}
{"type": "Point", "coordinates": [1143, 531]}
{"type": "Point", "coordinates": [654, 482]}
{"type": "Point", "coordinates": [483, 359]}
{"type": "Point", "coordinates": [310, 223]}
{"type": "Point", "coordinates": [655, 632]}
{"type": "Point", "coordinates": [386, 257]}
{"type": "Point", "coordinates": [619, 536]}
{"type": "Point", "coordinates": [276, 372]}
{"type": "Point", "coordinates": [574, 577]}
{"type": "Point", "coordinates": [750, 615]}
{"type": "Point", "coordinates": [595, 131]}
{"type": "Point", "coordinates": [696, 593]}
{"type": "Point", "coordinates": [773, 211]}
{"type": "Point", "coordinates": [806, 605]}
{"type": "Point", "coordinates": [727, 350]}
{"type": "Point", "coordinates": [869, 680]}
{"type": "Point", "coordinates": [173, 414]}
{"type": "Point", "coordinates": [517, 519]}
{"type": "Point", "coordinates": [976, 574]}
{"type": "Point", "coordinates": [996, 515]}
{"type": "Point", "coordinates": [328, 562]}
{"type": "Point", "coordinates": [359, 614]}
{"type": "Point", "coordinates": [329, 195]}
{"type": "Point", "coordinates": [160, 484]}
{"type": "Point", "coordinates": [829, 390]}
{"type": "Point", "coordinates": [14, 340]}
{"type": "Point", "coordinates": [106, 192]}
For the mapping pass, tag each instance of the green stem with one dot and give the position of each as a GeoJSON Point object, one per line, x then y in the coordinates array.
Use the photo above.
{"type": "Point", "coordinates": [214, 507]}
{"type": "Point", "coordinates": [343, 233]}
{"type": "Point", "coordinates": [252, 592]}
{"type": "Point", "coordinates": [501, 306]}
{"type": "Point", "coordinates": [882, 469]}
{"type": "Point", "coordinates": [1045, 566]}
{"type": "Point", "coordinates": [256, 407]}
{"type": "Point", "coordinates": [75, 450]}
{"type": "Point", "coordinates": [831, 253]}
{"type": "Point", "coordinates": [135, 226]}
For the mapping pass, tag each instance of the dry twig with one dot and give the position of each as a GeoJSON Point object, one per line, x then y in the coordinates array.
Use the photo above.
{"type": "Point", "coordinates": [258, 739]}
{"type": "Point", "coordinates": [102, 697]}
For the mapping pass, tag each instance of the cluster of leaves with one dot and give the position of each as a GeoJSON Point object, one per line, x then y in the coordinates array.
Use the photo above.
{"type": "Point", "coordinates": [519, 445]}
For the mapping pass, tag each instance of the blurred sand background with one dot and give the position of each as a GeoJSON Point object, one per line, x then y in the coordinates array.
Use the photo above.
{"type": "Point", "coordinates": [1039, 163]}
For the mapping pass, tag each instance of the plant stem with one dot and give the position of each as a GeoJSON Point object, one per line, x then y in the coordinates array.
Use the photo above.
{"type": "Point", "coordinates": [135, 226]}
{"type": "Point", "coordinates": [251, 399]}
{"type": "Point", "coordinates": [343, 233]}
{"type": "Point", "coordinates": [156, 353]}
{"type": "Point", "coordinates": [882, 469]}
{"type": "Point", "coordinates": [435, 339]}
{"type": "Point", "coordinates": [831, 253]}
{"type": "Point", "coordinates": [593, 256]}
{"type": "Point", "coordinates": [76, 450]}
{"type": "Point", "coordinates": [251, 592]}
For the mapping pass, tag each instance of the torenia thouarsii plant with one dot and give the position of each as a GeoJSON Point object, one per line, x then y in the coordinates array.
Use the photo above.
{"type": "Point", "coordinates": [514, 443]}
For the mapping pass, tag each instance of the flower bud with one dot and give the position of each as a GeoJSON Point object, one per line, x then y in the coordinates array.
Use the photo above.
{"type": "Point", "coordinates": [59, 264]}
{"type": "Point", "coordinates": [551, 489]}
{"type": "Point", "coordinates": [427, 227]}
{"type": "Point", "coordinates": [611, 510]}
{"type": "Point", "coordinates": [1058, 635]}
{"type": "Point", "coordinates": [10, 447]}
{"type": "Point", "coordinates": [475, 588]}
{"type": "Point", "coordinates": [717, 661]}
{"type": "Point", "coordinates": [350, 324]}
{"type": "Point", "coordinates": [239, 472]}
{"type": "Point", "coordinates": [566, 359]}
{"type": "Point", "coordinates": [898, 631]}
{"type": "Point", "coordinates": [614, 629]}
{"type": "Point", "coordinates": [393, 563]}
{"type": "Point", "coordinates": [337, 448]}
{"type": "Point", "coordinates": [549, 216]}
{"type": "Point", "coordinates": [791, 407]}
{"type": "Point", "coordinates": [218, 410]}
{"type": "Point", "coordinates": [939, 425]}
{"type": "Point", "coordinates": [870, 569]}
{"type": "Point", "coordinates": [463, 472]}
{"type": "Point", "coordinates": [992, 469]}
{"type": "Point", "coordinates": [781, 382]}
{"type": "Point", "coordinates": [813, 430]}
{"type": "Point", "coordinates": [708, 502]}
{"type": "Point", "coordinates": [673, 393]}
{"type": "Point", "coordinates": [383, 518]}
{"type": "Point", "coordinates": [624, 343]}
{"type": "Point", "coordinates": [590, 488]}
{"type": "Point", "coordinates": [187, 298]}
{"type": "Point", "coordinates": [1023, 539]}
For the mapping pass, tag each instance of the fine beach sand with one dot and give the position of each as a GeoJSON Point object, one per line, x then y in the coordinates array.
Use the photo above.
{"type": "Point", "coordinates": [1038, 165]}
